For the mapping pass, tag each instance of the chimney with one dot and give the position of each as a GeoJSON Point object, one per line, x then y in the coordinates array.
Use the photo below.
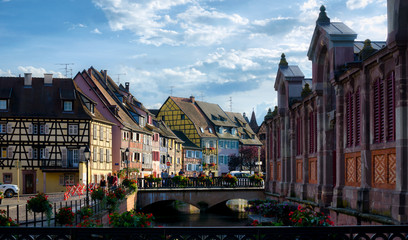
{"type": "Point", "coordinates": [28, 79]}
{"type": "Point", "coordinates": [47, 78]}
{"type": "Point", "coordinates": [127, 86]}
{"type": "Point", "coordinates": [105, 76]}
{"type": "Point", "coordinates": [192, 99]}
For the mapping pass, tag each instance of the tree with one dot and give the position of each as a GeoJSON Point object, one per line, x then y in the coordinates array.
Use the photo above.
{"type": "Point", "coordinates": [246, 160]}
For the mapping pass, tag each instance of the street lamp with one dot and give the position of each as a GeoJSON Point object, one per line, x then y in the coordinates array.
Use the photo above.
{"type": "Point", "coordinates": [127, 162]}
{"type": "Point", "coordinates": [87, 154]}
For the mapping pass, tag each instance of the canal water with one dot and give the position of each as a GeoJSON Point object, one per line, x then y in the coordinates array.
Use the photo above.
{"type": "Point", "coordinates": [221, 215]}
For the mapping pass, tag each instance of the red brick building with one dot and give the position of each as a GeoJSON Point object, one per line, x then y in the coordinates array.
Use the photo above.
{"type": "Point", "coordinates": [343, 144]}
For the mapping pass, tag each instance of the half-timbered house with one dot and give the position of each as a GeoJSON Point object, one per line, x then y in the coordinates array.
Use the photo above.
{"type": "Point", "coordinates": [46, 126]}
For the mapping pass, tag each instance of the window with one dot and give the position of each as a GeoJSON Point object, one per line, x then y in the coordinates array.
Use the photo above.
{"type": "Point", "coordinates": [67, 180]}
{"type": "Point", "coordinates": [234, 131]}
{"type": "Point", "coordinates": [7, 177]}
{"type": "Point", "coordinates": [40, 153]}
{"type": "Point", "coordinates": [212, 144]}
{"type": "Point", "coordinates": [95, 154]}
{"type": "Point", "coordinates": [197, 154]}
{"type": "Point", "coordinates": [73, 157]}
{"type": "Point", "coordinates": [67, 106]}
{"type": "Point", "coordinates": [101, 154]}
{"type": "Point", "coordinates": [183, 116]}
{"type": "Point", "coordinates": [3, 128]}
{"type": "Point", "coordinates": [349, 118]}
{"type": "Point", "coordinates": [3, 152]}
{"type": "Point", "coordinates": [201, 129]}
{"type": "Point", "coordinates": [95, 131]}
{"type": "Point", "coordinates": [3, 104]}
{"type": "Point", "coordinates": [72, 129]}
{"type": "Point", "coordinates": [178, 160]}
{"type": "Point", "coordinates": [299, 136]}
{"type": "Point", "coordinates": [108, 155]}
{"type": "Point", "coordinates": [101, 130]}
{"type": "Point", "coordinates": [212, 159]}
{"type": "Point", "coordinates": [221, 144]}
{"type": "Point", "coordinates": [221, 130]}
{"type": "Point", "coordinates": [210, 129]}
{"type": "Point", "coordinates": [221, 159]}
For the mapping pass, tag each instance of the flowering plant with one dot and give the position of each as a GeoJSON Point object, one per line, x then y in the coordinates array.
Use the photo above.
{"type": "Point", "coordinates": [85, 212]}
{"type": "Point", "coordinates": [1, 195]}
{"type": "Point", "coordinates": [40, 203]}
{"type": "Point", "coordinates": [90, 223]}
{"type": "Point", "coordinates": [111, 201]}
{"type": "Point", "coordinates": [204, 165]}
{"type": "Point", "coordinates": [212, 164]}
{"type": "Point", "coordinates": [306, 217]}
{"type": "Point", "coordinates": [130, 219]}
{"type": "Point", "coordinates": [205, 179]}
{"type": "Point", "coordinates": [65, 216]}
{"type": "Point", "coordinates": [181, 180]}
{"type": "Point", "coordinates": [6, 221]}
{"type": "Point", "coordinates": [98, 194]}
{"type": "Point", "coordinates": [120, 193]}
{"type": "Point", "coordinates": [130, 183]}
{"type": "Point", "coordinates": [255, 179]}
{"type": "Point", "coordinates": [231, 180]}
{"type": "Point", "coordinates": [150, 178]}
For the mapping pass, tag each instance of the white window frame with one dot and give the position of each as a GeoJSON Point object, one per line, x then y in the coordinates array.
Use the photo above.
{"type": "Point", "coordinates": [95, 132]}
{"type": "Point", "coordinates": [101, 129]}
{"type": "Point", "coordinates": [3, 127]}
{"type": "Point", "coordinates": [95, 155]}
{"type": "Point", "coordinates": [101, 154]}
{"type": "Point", "coordinates": [3, 152]}
{"type": "Point", "coordinates": [68, 106]}
{"type": "Point", "coordinates": [3, 104]}
{"type": "Point", "coordinates": [72, 129]}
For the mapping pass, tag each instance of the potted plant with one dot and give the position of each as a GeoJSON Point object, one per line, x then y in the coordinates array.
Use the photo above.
{"type": "Point", "coordinates": [6, 221]}
{"type": "Point", "coordinates": [120, 193]}
{"type": "Point", "coordinates": [40, 203]}
{"type": "Point", "coordinates": [229, 179]}
{"type": "Point", "coordinates": [65, 216]}
{"type": "Point", "coordinates": [255, 179]}
{"type": "Point", "coordinates": [98, 194]}
{"type": "Point", "coordinates": [131, 184]}
{"type": "Point", "coordinates": [111, 202]}
{"type": "Point", "coordinates": [205, 180]}
{"type": "Point", "coordinates": [180, 180]}
{"type": "Point", "coordinates": [1, 196]}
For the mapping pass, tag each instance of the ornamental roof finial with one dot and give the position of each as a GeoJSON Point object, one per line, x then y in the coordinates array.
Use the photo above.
{"type": "Point", "coordinates": [283, 62]}
{"type": "Point", "coordinates": [323, 19]}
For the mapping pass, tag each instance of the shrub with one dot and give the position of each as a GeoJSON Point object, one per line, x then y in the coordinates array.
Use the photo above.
{"type": "Point", "coordinates": [90, 223]}
{"type": "Point", "coordinates": [98, 194]}
{"type": "Point", "coordinates": [65, 216]}
{"type": "Point", "coordinates": [205, 179]}
{"type": "Point", "coordinates": [111, 201]}
{"type": "Point", "coordinates": [120, 193]}
{"type": "Point", "coordinates": [255, 179]}
{"type": "Point", "coordinates": [130, 219]}
{"type": "Point", "coordinates": [150, 178]}
{"type": "Point", "coordinates": [306, 217]}
{"type": "Point", "coordinates": [130, 183]}
{"type": "Point", "coordinates": [180, 180]}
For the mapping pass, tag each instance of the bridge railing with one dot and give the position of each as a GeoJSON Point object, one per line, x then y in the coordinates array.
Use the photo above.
{"type": "Point", "coordinates": [192, 182]}
{"type": "Point", "coordinates": [209, 233]}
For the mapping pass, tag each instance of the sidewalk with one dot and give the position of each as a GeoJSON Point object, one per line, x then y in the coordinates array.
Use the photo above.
{"type": "Point", "coordinates": [53, 197]}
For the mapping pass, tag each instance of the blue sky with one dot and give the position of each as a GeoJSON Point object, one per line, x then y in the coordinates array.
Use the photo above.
{"type": "Point", "coordinates": [216, 50]}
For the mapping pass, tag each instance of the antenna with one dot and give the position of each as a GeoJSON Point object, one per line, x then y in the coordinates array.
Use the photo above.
{"type": "Point", "coordinates": [230, 104]}
{"type": "Point", "coordinates": [119, 74]}
{"type": "Point", "coordinates": [171, 90]}
{"type": "Point", "coordinates": [66, 68]}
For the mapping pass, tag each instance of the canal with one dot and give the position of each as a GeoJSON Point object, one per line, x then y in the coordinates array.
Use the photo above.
{"type": "Point", "coordinates": [220, 215]}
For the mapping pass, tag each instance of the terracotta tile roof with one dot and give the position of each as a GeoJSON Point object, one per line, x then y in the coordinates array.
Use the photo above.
{"type": "Point", "coordinates": [195, 115]}
{"type": "Point", "coordinates": [248, 137]}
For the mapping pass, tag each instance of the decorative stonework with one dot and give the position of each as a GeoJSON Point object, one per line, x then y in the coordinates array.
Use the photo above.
{"type": "Point", "coordinates": [299, 170]}
{"type": "Point", "coordinates": [384, 168]}
{"type": "Point", "coordinates": [353, 169]}
{"type": "Point", "coordinates": [313, 170]}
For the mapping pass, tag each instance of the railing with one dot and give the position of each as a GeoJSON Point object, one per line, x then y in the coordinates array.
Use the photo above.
{"type": "Point", "coordinates": [192, 182]}
{"type": "Point", "coordinates": [23, 217]}
{"type": "Point", "coordinates": [210, 233]}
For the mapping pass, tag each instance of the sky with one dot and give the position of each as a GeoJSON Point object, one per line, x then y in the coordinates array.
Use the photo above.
{"type": "Point", "coordinates": [220, 51]}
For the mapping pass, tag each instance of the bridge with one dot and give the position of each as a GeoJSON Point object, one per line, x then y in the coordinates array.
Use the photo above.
{"type": "Point", "coordinates": [199, 194]}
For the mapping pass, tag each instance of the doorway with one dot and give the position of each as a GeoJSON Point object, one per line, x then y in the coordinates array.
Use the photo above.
{"type": "Point", "coordinates": [28, 182]}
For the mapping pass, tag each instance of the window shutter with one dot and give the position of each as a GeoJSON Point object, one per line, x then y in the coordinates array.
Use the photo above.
{"type": "Point", "coordinates": [10, 152]}
{"type": "Point", "coordinates": [9, 128]}
{"type": "Point", "coordinates": [61, 179]}
{"type": "Point", "coordinates": [391, 107]}
{"type": "Point", "coordinates": [47, 153]}
{"type": "Point", "coordinates": [81, 154]}
{"type": "Point", "coordinates": [30, 128]}
{"type": "Point", "coordinates": [30, 153]}
{"type": "Point", "coordinates": [358, 117]}
{"type": "Point", "coordinates": [64, 157]}
{"type": "Point", "coordinates": [381, 109]}
{"type": "Point", "coordinates": [46, 129]}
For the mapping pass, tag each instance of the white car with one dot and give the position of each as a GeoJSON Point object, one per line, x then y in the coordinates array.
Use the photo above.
{"type": "Point", "coordinates": [9, 190]}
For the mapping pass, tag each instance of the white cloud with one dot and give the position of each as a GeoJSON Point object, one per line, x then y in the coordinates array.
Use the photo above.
{"type": "Point", "coordinates": [38, 72]}
{"type": "Point", "coordinates": [74, 26]}
{"type": "Point", "coordinates": [356, 4]}
{"type": "Point", "coordinates": [374, 28]}
{"type": "Point", "coordinates": [6, 73]}
{"type": "Point", "coordinates": [96, 31]}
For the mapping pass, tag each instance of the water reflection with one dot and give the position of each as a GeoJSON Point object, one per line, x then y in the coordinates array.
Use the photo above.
{"type": "Point", "coordinates": [203, 219]}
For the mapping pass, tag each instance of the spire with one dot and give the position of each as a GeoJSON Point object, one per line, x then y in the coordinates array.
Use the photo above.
{"type": "Point", "coordinates": [253, 124]}
{"type": "Point", "coordinates": [323, 19]}
{"type": "Point", "coordinates": [283, 62]}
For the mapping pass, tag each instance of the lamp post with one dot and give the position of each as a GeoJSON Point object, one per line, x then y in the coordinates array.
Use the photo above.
{"type": "Point", "coordinates": [87, 154]}
{"type": "Point", "coordinates": [127, 162]}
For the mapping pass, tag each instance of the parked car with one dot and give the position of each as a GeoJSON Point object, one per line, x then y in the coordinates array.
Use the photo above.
{"type": "Point", "coordinates": [9, 190]}
{"type": "Point", "coordinates": [240, 174]}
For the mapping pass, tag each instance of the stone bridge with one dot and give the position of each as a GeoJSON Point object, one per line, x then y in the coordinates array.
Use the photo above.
{"type": "Point", "coordinates": [198, 197]}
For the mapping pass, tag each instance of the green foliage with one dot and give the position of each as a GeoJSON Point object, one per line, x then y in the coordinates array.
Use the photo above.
{"type": "Point", "coordinates": [120, 193]}
{"type": "Point", "coordinates": [111, 202]}
{"type": "Point", "coordinates": [306, 217]}
{"type": "Point", "coordinates": [255, 179]}
{"type": "Point", "coordinates": [85, 212]}
{"type": "Point", "coordinates": [90, 223]}
{"type": "Point", "coordinates": [6, 221]}
{"type": "Point", "coordinates": [231, 180]}
{"type": "Point", "coordinates": [65, 216]}
{"type": "Point", "coordinates": [150, 178]}
{"type": "Point", "coordinates": [40, 203]}
{"type": "Point", "coordinates": [180, 180]}
{"type": "Point", "coordinates": [205, 179]}
{"type": "Point", "coordinates": [131, 219]}
{"type": "Point", "coordinates": [98, 194]}
{"type": "Point", "coordinates": [131, 184]}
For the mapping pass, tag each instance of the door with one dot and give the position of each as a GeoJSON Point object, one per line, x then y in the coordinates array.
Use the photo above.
{"type": "Point", "coordinates": [29, 183]}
